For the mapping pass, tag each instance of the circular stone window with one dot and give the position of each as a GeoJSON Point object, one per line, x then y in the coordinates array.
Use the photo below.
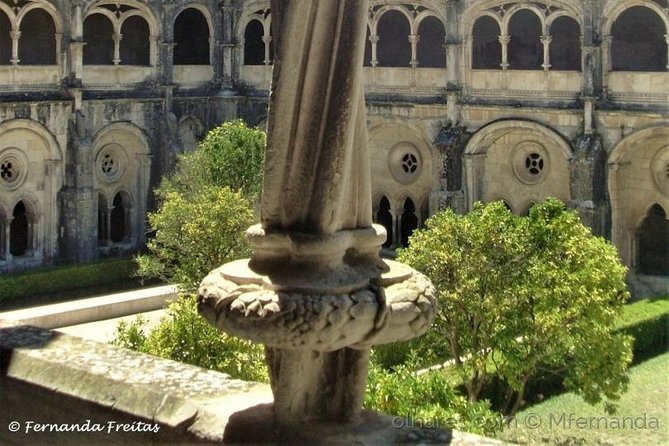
{"type": "Point", "coordinates": [110, 162]}
{"type": "Point", "coordinates": [530, 162]}
{"type": "Point", "coordinates": [13, 169]}
{"type": "Point", "coordinates": [659, 167]}
{"type": "Point", "coordinates": [405, 163]}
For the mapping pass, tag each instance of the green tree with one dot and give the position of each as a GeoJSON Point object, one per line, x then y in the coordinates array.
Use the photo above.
{"type": "Point", "coordinates": [205, 206]}
{"type": "Point", "coordinates": [522, 295]}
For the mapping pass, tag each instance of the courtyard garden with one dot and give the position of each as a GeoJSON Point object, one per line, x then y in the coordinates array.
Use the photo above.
{"type": "Point", "coordinates": [533, 323]}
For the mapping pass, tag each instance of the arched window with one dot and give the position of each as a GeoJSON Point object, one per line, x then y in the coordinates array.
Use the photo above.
{"type": "Point", "coordinates": [254, 46]}
{"type": "Point", "coordinates": [5, 39]}
{"type": "Point", "coordinates": [103, 220]}
{"type": "Point", "coordinates": [409, 222]}
{"type": "Point", "coordinates": [430, 51]}
{"type": "Point", "coordinates": [191, 38]}
{"type": "Point", "coordinates": [135, 45]}
{"type": "Point", "coordinates": [565, 46]}
{"type": "Point", "coordinates": [486, 49]}
{"type": "Point", "coordinates": [638, 41]}
{"type": "Point", "coordinates": [653, 247]}
{"type": "Point", "coordinates": [118, 219]}
{"type": "Point", "coordinates": [19, 233]}
{"type": "Point", "coordinates": [98, 36]}
{"type": "Point", "coordinates": [393, 48]}
{"type": "Point", "coordinates": [37, 45]}
{"type": "Point", "coordinates": [385, 218]}
{"type": "Point", "coordinates": [525, 50]}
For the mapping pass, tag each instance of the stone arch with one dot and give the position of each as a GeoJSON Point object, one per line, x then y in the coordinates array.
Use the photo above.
{"type": "Point", "coordinates": [653, 242]}
{"type": "Point", "coordinates": [259, 11]}
{"type": "Point", "coordinates": [121, 156]}
{"type": "Point", "coordinates": [39, 45]}
{"type": "Point", "coordinates": [254, 46]}
{"type": "Point", "coordinates": [517, 159]}
{"type": "Point", "coordinates": [393, 30]}
{"type": "Point", "coordinates": [396, 178]}
{"type": "Point", "coordinates": [139, 49]}
{"type": "Point", "coordinates": [430, 51]}
{"type": "Point", "coordinates": [635, 51]}
{"type": "Point", "coordinates": [120, 217]}
{"type": "Point", "coordinates": [525, 25]}
{"type": "Point", "coordinates": [565, 45]}
{"type": "Point", "coordinates": [637, 179]}
{"type": "Point", "coordinates": [383, 215]}
{"type": "Point", "coordinates": [192, 36]}
{"type": "Point", "coordinates": [190, 131]}
{"type": "Point", "coordinates": [486, 48]}
{"type": "Point", "coordinates": [408, 220]}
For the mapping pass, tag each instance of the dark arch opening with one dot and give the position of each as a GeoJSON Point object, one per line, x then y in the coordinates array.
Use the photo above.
{"type": "Point", "coordinates": [430, 52]}
{"type": "Point", "coordinates": [191, 38]}
{"type": "Point", "coordinates": [565, 47]}
{"type": "Point", "coordinates": [5, 39]}
{"type": "Point", "coordinates": [525, 50]}
{"type": "Point", "coordinates": [18, 231]}
{"type": "Point", "coordinates": [99, 48]}
{"type": "Point", "coordinates": [254, 47]}
{"type": "Point", "coordinates": [385, 219]}
{"type": "Point", "coordinates": [409, 222]}
{"type": "Point", "coordinates": [653, 237]}
{"type": "Point", "coordinates": [135, 45]}
{"type": "Point", "coordinates": [486, 49]}
{"type": "Point", "coordinates": [103, 209]}
{"type": "Point", "coordinates": [393, 48]}
{"type": "Point", "coordinates": [638, 41]}
{"type": "Point", "coordinates": [37, 45]}
{"type": "Point", "coordinates": [117, 227]}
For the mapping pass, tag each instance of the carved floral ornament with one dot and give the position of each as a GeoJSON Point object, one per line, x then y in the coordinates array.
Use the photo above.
{"type": "Point", "coordinates": [13, 169]}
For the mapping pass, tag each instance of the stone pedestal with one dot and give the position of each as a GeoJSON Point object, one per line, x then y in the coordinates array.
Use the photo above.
{"type": "Point", "coordinates": [318, 317]}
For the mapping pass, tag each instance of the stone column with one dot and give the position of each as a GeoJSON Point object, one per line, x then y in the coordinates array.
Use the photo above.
{"type": "Point", "coordinates": [15, 36]}
{"type": "Point", "coordinates": [413, 40]}
{"type": "Point", "coordinates": [546, 41]}
{"type": "Point", "coordinates": [227, 48]}
{"type": "Point", "coordinates": [504, 41]}
{"type": "Point", "coordinates": [316, 292]}
{"type": "Point", "coordinates": [374, 40]}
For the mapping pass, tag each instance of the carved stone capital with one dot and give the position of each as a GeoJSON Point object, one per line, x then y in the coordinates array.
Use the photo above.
{"type": "Point", "coordinates": [397, 307]}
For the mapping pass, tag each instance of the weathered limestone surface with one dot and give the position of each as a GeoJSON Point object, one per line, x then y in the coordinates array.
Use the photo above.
{"type": "Point", "coordinates": [316, 292]}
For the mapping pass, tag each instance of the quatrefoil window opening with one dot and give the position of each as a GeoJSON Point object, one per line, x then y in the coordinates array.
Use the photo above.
{"type": "Point", "coordinates": [108, 165]}
{"type": "Point", "coordinates": [111, 163]}
{"type": "Point", "coordinates": [9, 171]}
{"type": "Point", "coordinates": [666, 170]}
{"type": "Point", "coordinates": [409, 163]}
{"type": "Point", "coordinates": [534, 163]}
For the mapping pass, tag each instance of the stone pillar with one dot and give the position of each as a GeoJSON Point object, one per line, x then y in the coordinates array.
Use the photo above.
{"type": "Point", "coordinates": [546, 41]}
{"type": "Point", "coordinates": [504, 41]}
{"type": "Point", "coordinates": [15, 36]}
{"type": "Point", "coordinates": [413, 40]}
{"type": "Point", "coordinates": [117, 48]}
{"type": "Point", "coordinates": [227, 48]}
{"type": "Point", "coordinates": [316, 292]}
{"type": "Point", "coordinates": [374, 40]}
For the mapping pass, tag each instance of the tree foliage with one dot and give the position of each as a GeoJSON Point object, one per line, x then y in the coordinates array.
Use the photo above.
{"type": "Point", "coordinates": [205, 206]}
{"type": "Point", "coordinates": [520, 295]}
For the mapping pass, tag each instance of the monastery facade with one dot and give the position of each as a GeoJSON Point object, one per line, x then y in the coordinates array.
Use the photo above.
{"type": "Point", "coordinates": [470, 100]}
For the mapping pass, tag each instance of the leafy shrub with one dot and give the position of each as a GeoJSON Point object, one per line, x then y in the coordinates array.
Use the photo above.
{"type": "Point", "coordinates": [66, 278]}
{"type": "Point", "coordinates": [521, 294]}
{"type": "Point", "coordinates": [647, 321]}
{"type": "Point", "coordinates": [183, 335]}
{"type": "Point", "coordinates": [427, 399]}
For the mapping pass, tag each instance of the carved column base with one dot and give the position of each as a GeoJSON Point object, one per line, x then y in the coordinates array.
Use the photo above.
{"type": "Point", "coordinates": [318, 331]}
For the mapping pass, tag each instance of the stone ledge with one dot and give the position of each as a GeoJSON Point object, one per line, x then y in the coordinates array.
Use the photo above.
{"type": "Point", "coordinates": [49, 377]}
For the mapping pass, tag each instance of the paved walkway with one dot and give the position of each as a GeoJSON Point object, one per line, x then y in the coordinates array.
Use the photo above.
{"type": "Point", "coordinates": [96, 318]}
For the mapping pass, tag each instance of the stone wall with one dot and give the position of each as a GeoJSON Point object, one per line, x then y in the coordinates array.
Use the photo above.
{"type": "Point", "coordinates": [546, 79]}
